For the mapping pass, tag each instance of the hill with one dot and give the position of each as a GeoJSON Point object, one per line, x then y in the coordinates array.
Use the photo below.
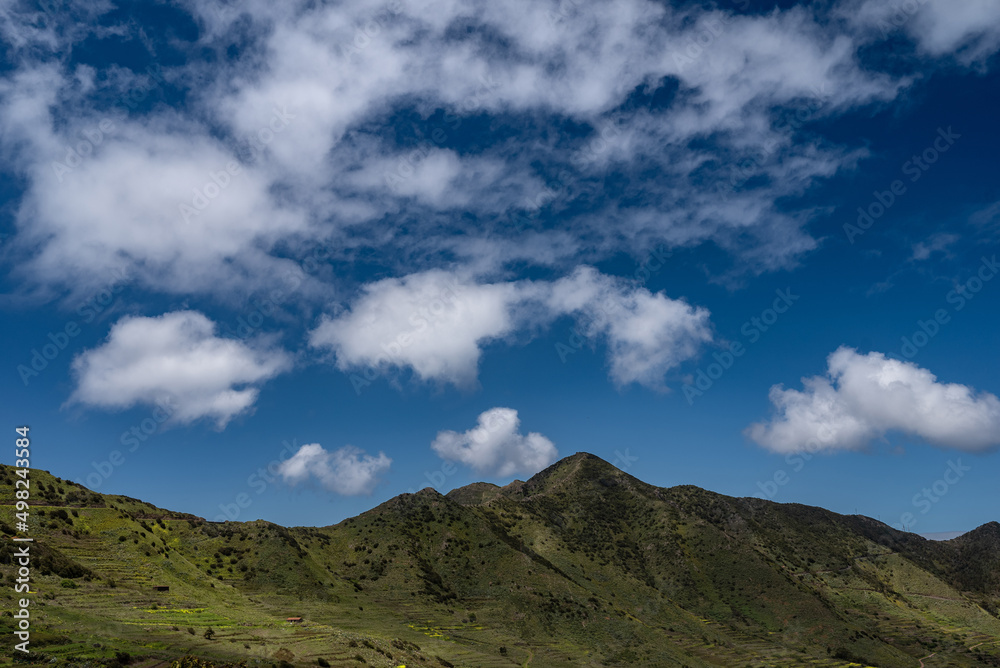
{"type": "Point", "coordinates": [581, 565]}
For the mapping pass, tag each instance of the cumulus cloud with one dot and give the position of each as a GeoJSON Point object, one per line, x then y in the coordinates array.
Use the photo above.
{"type": "Point", "coordinates": [175, 205]}
{"type": "Point", "coordinates": [647, 333]}
{"type": "Point", "coordinates": [496, 447]}
{"type": "Point", "coordinates": [863, 397]}
{"type": "Point", "coordinates": [433, 322]}
{"type": "Point", "coordinates": [177, 357]}
{"type": "Point", "coordinates": [436, 324]}
{"type": "Point", "coordinates": [347, 471]}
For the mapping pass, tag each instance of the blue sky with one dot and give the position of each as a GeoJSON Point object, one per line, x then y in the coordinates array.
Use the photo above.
{"type": "Point", "coordinates": [287, 261]}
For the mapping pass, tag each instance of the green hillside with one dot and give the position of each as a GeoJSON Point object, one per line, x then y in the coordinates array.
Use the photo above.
{"type": "Point", "coordinates": [582, 565]}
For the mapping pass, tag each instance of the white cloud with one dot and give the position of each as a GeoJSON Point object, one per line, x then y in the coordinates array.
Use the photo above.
{"type": "Point", "coordinates": [935, 243]}
{"type": "Point", "coordinates": [710, 166]}
{"type": "Point", "coordinates": [436, 323]}
{"type": "Point", "coordinates": [969, 30]}
{"type": "Point", "coordinates": [864, 397]}
{"type": "Point", "coordinates": [178, 207]}
{"type": "Point", "coordinates": [647, 334]}
{"type": "Point", "coordinates": [987, 220]}
{"type": "Point", "coordinates": [439, 179]}
{"type": "Point", "coordinates": [433, 322]}
{"type": "Point", "coordinates": [338, 71]}
{"type": "Point", "coordinates": [48, 28]}
{"type": "Point", "coordinates": [176, 357]}
{"type": "Point", "coordinates": [496, 447]}
{"type": "Point", "coordinates": [347, 471]}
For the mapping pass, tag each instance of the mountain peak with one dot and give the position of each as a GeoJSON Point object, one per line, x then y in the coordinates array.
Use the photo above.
{"type": "Point", "coordinates": [577, 471]}
{"type": "Point", "coordinates": [579, 462]}
{"type": "Point", "coordinates": [474, 493]}
{"type": "Point", "coordinates": [987, 534]}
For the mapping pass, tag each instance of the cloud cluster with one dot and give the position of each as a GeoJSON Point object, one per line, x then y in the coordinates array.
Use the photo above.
{"type": "Point", "coordinates": [175, 356]}
{"type": "Point", "coordinates": [496, 447]}
{"type": "Point", "coordinates": [463, 134]}
{"type": "Point", "coordinates": [705, 106]}
{"type": "Point", "coordinates": [864, 397]}
{"type": "Point", "coordinates": [347, 471]}
{"type": "Point", "coordinates": [436, 323]}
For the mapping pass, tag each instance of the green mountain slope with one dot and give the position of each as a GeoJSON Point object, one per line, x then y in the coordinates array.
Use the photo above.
{"type": "Point", "coordinates": [582, 565]}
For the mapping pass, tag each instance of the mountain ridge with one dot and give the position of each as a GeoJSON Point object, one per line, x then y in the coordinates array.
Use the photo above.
{"type": "Point", "coordinates": [581, 564]}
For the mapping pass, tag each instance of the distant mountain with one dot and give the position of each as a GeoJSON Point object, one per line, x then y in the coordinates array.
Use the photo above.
{"type": "Point", "coordinates": [581, 565]}
{"type": "Point", "coordinates": [941, 535]}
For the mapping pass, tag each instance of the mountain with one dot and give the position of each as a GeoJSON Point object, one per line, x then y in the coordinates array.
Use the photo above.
{"type": "Point", "coordinates": [581, 565]}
